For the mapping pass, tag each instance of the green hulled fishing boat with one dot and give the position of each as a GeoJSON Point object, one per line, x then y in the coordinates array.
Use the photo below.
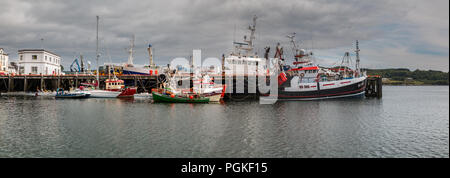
{"type": "Point", "coordinates": [172, 98]}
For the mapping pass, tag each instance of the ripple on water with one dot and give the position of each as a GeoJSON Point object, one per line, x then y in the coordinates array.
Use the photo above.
{"type": "Point", "coordinates": [407, 122]}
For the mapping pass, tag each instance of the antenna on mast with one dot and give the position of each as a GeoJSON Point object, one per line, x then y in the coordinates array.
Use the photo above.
{"type": "Point", "coordinates": [252, 29]}
{"type": "Point", "coordinates": [42, 43]}
{"type": "Point", "coordinates": [294, 46]}
{"type": "Point", "coordinates": [358, 69]}
{"type": "Point", "coordinates": [130, 51]}
{"type": "Point", "coordinates": [97, 55]}
{"type": "Point", "coordinates": [150, 55]}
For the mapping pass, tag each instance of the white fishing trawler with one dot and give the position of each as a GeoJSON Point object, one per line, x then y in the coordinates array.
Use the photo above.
{"type": "Point", "coordinates": [308, 81]}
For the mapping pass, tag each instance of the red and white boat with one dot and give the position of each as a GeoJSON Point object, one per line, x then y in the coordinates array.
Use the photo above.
{"type": "Point", "coordinates": [307, 81]}
{"type": "Point", "coordinates": [207, 88]}
{"type": "Point", "coordinates": [115, 88]}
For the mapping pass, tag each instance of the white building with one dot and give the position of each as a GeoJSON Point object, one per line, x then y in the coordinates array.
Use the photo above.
{"type": "Point", "coordinates": [3, 61]}
{"type": "Point", "coordinates": [13, 68]}
{"type": "Point", "coordinates": [39, 61]}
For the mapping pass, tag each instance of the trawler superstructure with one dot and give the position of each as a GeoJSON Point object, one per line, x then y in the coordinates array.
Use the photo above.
{"type": "Point", "coordinates": [307, 81]}
{"type": "Point", "coordinates": [243, 60]}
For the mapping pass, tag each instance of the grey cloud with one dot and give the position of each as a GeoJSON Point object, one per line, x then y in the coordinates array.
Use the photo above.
{"type": "Point", "coordinates": [176, 27]}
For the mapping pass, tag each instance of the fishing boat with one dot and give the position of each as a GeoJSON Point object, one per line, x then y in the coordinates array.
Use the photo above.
{"type": "Point", "coordinates": [207, 88]}
{"type": "Point", "coordinates": [75, 95]}
{"type": "Point", "coordinates": [308, 81]}
{"type": "Point", "coordinates": [170, 97]}
{"type": "Point", "coordinates": [114, 88]}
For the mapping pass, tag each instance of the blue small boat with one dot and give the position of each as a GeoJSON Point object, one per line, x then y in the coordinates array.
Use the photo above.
{"type": "Point", "coordinates": [61, 94]}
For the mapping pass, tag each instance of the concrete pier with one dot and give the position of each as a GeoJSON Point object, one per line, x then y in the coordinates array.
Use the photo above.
{"type": "Point", "coordinates": [32, 83]}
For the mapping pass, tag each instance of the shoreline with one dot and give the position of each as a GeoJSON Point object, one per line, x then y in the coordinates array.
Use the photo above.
{"type": "Point", "coordinates": [387, 84]}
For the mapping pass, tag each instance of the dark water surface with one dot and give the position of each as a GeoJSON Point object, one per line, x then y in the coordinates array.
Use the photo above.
{"type": "Point", "coordinates": [406, 122]}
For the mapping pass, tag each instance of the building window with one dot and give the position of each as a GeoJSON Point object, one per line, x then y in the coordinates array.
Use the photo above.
{"type": "Point", "coordinates": [34, 70]}
{"type": "Point", "coordinates": [21, 57]}
{"type": "Point", "coordinates": [21, 70]}
{"type": "Point", "coordinates": [34, 57]}
{"type": "Point", "coordinates": [45, 58]}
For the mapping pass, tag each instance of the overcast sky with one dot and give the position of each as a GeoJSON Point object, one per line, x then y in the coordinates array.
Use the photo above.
{"type": "Point", "coordinates": [392, 33]}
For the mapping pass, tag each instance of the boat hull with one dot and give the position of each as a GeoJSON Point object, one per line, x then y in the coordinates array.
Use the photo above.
{"type": "Point", "coordinates": [158, 97]}
{"type": "Point", "coordinates": [215, 97]}
{"type": "Point", "coordinates": [74, 96]}
{"type": "Point", "coordinates": [135, 71]}
{"type": "Point", "coordinates": [351, 90]}
{"type": "Point", "coordinates": [126, 93]}
{"type": "Point", "coordinates": [324, 90]}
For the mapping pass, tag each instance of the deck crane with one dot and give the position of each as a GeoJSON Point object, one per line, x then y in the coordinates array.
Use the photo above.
{"type": "Point", "coordinates": [76, 68]}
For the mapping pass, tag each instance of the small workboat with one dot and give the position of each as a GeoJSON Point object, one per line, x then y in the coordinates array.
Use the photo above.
{"type": "Point", "coordinates": [61, 94]}
{"type": "Point", "coordinates": [168, 97]}
{"type": "Point", "coordinates": [207, 88]}
{"type": "Point", "coordinates": [115, 88]}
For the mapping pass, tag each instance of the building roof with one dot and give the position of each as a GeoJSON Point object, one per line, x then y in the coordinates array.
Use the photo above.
{"type": "Point", "coordinates": [43, 50]}
{"type": "Point", "coordinates": [3, 52]}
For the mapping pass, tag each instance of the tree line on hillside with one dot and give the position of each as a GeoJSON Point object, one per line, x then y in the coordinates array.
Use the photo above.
{"type": "Point", "coordinates": [428, 77]}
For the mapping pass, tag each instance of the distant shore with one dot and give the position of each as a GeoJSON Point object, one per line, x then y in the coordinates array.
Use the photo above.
{"type": "Point", "coordinates": [389, 84]}
{"type": "Point", "coordinates": [406, 77]}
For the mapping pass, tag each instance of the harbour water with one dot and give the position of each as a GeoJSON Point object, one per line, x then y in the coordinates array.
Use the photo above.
{"type": "Point", "coordinates": [409, 121]}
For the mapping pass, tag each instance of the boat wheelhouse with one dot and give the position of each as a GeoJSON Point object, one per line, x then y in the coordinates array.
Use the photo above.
{"type": "Point", "coordinates": [243, 60]}
{"type": "Point", "coordinates": [114, 84]}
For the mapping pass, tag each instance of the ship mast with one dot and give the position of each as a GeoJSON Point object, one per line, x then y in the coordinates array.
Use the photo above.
{"type": "Point", "coordinates": [294, 46]}
{"type": "Point", "coordinates": [97, 55]}
{"type": "Point", "coordinates": [150, 55]}
{"type": "Point", "coordinates": [357, 58]}
{"type": "Point", "coordinates": [247, 42]}
{"type": "Point", "coordinates": [252, 34]}
{"type": "Point", "coordinates": [130, 51]}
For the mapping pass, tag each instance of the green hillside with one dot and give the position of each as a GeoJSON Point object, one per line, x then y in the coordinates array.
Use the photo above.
{"type": "Point", "coordinates": [417, 77]}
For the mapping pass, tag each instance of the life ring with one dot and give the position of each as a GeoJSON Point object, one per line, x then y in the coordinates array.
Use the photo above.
{"type": "Point", "coordinates": [302, 75]}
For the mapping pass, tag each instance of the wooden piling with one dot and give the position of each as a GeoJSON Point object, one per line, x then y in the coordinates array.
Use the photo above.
{"type": "Point", "coordinates": [10, 83]}
{"type": "Point", "coordinates": [42, 83]}
{"type": "Point", "coordinates": [25, 84]}
{"type": "Point", "coordinates": [374, 86]}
